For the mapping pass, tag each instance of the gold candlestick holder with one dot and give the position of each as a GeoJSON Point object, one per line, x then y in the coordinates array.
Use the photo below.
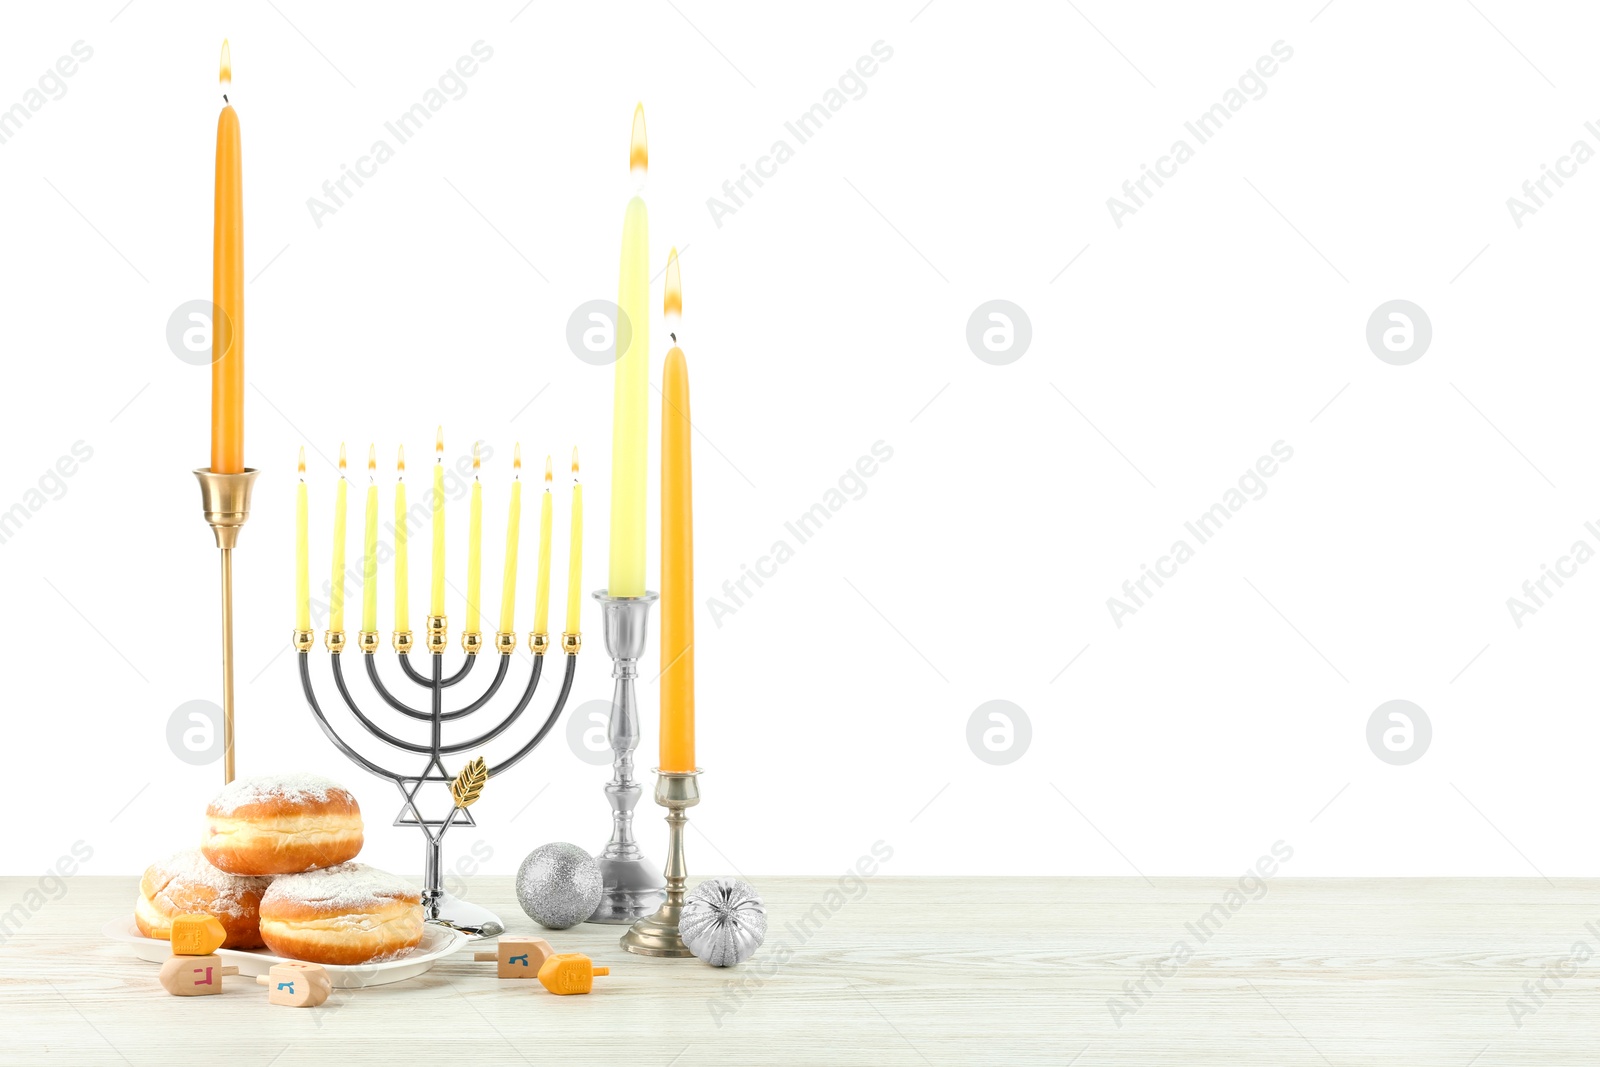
{"type": "Point", "coordinates": [657, 935]}
{"type": "Point", "coordinates": [226, 501]}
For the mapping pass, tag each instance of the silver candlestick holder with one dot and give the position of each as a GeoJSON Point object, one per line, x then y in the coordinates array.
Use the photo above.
{"type": "Point", "coordinates": [631, 887]}
{"type": "Point", "coordinates": [657, 935]}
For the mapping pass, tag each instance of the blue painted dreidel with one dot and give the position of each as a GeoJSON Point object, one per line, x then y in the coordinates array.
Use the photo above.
{"type": "Point", "coordinates": [194, 976]}
{"type": "Point", "coordinates": [518, 957]}
{"type": "Point", "coordinates": [296, 985]}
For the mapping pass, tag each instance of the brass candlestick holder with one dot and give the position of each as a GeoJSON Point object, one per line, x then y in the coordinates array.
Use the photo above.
{"type": "Point", "coordinates": [657, 935]}
{"type": "Point", "coordinates": [226, 500]}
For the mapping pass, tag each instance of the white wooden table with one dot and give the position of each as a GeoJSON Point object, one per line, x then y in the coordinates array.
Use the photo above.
{"type": "Point", "coordinates": [910, 971]}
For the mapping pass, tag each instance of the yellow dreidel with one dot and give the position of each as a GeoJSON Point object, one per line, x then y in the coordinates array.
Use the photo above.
{"type": "Point", "coordinates": [518, 957]}
{"type": "Point", "coordinates": [566, 973]}
{"type": "Point", "coordinates": [197, 935]}
{"type": "Point", "coordinates": [194, 976]}
{"type": "Point", "coordinates": [296, 985]}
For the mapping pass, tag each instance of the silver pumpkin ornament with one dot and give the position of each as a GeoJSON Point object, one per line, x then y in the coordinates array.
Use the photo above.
{"type": "Point", "coordinates": [559, 885]}
{"type": "Point", "coordinates": [723, 921]}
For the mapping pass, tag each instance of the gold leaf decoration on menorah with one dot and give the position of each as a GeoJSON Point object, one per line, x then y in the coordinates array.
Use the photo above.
{"type": "Point", "coordinates": [469, 783]}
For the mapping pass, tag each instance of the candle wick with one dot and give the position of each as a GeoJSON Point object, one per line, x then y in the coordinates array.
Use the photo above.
{"type": "Point", "coordinates": [225, 99]}
{"type": "Point", "coordinates": [674, 337]}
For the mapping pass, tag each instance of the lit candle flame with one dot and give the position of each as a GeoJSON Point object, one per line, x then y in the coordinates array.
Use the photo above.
{"type": "Point", "coordinates": [474, 459]}
{"type": "Point", "coordinates": [548, 474]}
{"type": "Point", "coordinates": [302, 460]}
{"type": "Point", "coordinates": [372, 460]}
{"type": "Point", "coordinates": [574, 462]}
{"type": "Point", "coordinates": [225, 70]}
{"type": "Point", "coordinates": [516, 460]}
{"type": "Point", "coordinates": [438, 445]}
{"type": "Point", "coordinates": [401, 465]}
{"type": "Point", "coordinates": [672, 302]}
{"type": "Point", "coordinates": [638, 150]}
{"type": "Point", "coordinates": [341, 459]}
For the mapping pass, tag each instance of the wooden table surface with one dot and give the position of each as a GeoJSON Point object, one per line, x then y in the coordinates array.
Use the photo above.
{"type": "Point", "coordinates": [1083, 971]}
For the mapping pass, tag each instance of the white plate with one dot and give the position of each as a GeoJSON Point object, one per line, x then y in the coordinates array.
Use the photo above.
{"type": "Point", "coordinates": [437, 942]}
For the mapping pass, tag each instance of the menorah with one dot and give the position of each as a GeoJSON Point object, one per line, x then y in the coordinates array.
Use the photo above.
{"type": "Point", "coordinates": [439, 906]}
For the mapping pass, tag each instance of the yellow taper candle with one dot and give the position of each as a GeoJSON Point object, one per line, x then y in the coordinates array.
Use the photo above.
{"type": "Point", "coordinates": [575, 550]}
{"type": "Point", "coordinates": [630, 409]}
{"type": "Point", "coordinates": [677, 549]}
{"type": "Point", "coordinates": [336, 592]}
{"type": "Point", "coordinates": [302, 555]}
{"type": "Point", "coordinates": [474, 548]}
{"type": "Point", "coordinates": [369, 549]}
{"type": "Point", "coordinates": [541, 596]}
{"type": "Point", "coordinates": [436, 600]}
{"type": "Point", "coordinates": [508, 586]}
{"type": "Point", "coordinates": [402, 560]}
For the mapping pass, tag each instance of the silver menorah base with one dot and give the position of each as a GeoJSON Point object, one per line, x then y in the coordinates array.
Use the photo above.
{"type": "Point", "coordinates": [632, 886]}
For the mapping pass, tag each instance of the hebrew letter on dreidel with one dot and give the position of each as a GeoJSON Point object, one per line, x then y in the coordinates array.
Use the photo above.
{"type": "Point", "coordinates": [194, 976]}
{"type": "Point", "coordinates": [296, 985]}
{"type": "Point", "coordinates": [518, 957]}
{"type": "Point", "coordinates": [197, 935]}
{"type": "Point", "coordinates": [569, 972]}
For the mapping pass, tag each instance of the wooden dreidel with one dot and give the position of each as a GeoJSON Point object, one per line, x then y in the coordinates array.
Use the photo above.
{"type": "Point", "coordinates": [518, 957]}
{"type": "Point", "coordinates": [296, 985]}
{"type": "Point", "coordinates": [197, 935]}
{"type": "Point", "coordinates": [566, 973]}
{"type": "Point", "coordinates": [194, 976]}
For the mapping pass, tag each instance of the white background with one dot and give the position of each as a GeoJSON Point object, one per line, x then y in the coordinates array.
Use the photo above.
{"type": "Point", "coordinates": [828, 313]}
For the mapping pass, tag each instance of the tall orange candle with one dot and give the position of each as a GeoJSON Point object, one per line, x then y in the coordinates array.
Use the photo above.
{"type": "Point", "coordinates": [677, 548]}
{"type": "Point", "coordinates": [227, 292]}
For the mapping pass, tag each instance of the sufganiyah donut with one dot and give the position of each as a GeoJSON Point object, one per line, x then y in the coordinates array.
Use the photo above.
{"type": "Point", "coordinates": [342, 915]}
{"type": "Point", "coordinates": [186, 884]}
{"type": "Point", "coordinates": [282, 824]}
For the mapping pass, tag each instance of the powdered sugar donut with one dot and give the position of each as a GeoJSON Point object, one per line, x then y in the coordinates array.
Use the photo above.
{"type": "Point", "coordinates": [343, 915]}
{"type": "Point", "coordinates": [185, 884]}
{"type": "Point", "coordinates": [282, 824]}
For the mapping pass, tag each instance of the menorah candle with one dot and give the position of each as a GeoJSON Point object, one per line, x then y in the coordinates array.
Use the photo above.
{"type": "Point", "coordinates": [677, 548]}
{"type": "Point", "coordinates": [302, 554]}
{"type": "Point", "coordinates": [575, 549]}
{"type": "Point", "coordinates": [474, 547]}
{"type": "Point", "coordinates": [508, 585]}
{"type": "Point", "coordinates": [336, 592]}
{"type": "Point", "coordinates": [436, 600]}
{"type": "Point", "coordinates": [402, 560]}
{"type": "Point", "coordinates": [541, 596]}
{"type": "Point", "coordinates": [630, 410]}
{"type": "Point", "coordinates": [227, 290]}
{"type": "Point", "coordinates": [369, 549]}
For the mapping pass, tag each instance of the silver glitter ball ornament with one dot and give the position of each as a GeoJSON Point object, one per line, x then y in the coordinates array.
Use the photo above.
{"type": "Point", "coordinates": [558, 885]}
{"type": "Point", "coordinates": [723, 921]}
